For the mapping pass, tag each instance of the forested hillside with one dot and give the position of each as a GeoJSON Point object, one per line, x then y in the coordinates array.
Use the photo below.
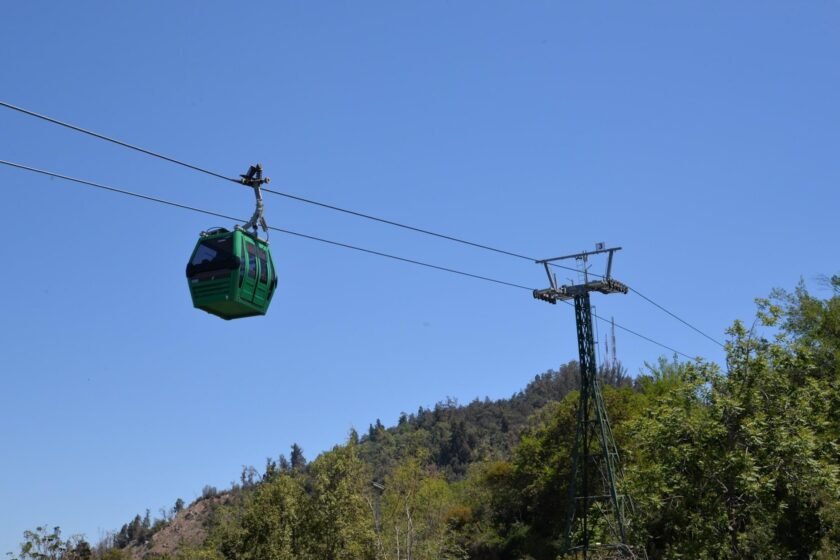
{"type": "Point", "coordinates": [734, 461]}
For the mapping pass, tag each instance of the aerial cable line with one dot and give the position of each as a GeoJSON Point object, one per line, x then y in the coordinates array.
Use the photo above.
{"type": "Point", "coordinates": [280, 230]}
{"type": "Point", "coordinates": [683, 321]}
{"type": "Point", "coordinates": [625, 329]}
{"type": "Point", "coordinates": [647, 299]}
{"type": "Point", "coordinates": [274, 192]}
{"type": "Point", "coordinates": [115, 141]}
{"type": "Point", "coordinates": [398, 224]}
{"type": "Point", "coordinates": [310, 237]}
{"type": "Point", "coordinates": [114, 189]}
{"type": "Point", "coordinates": [330, 206]}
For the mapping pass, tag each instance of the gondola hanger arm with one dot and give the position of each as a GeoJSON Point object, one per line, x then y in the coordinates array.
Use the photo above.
{"type": "Point", "coordinates": [254, 179]}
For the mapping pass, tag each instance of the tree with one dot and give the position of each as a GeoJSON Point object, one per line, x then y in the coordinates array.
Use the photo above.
{"type": "Point", "coordinates": [743, 464]}
{"type": "Point", "coordinates": [81, 551]}
{"type": "Point", "coordinates": [298, 461]}
{"type": "Point", "coordinates": [268, 525]}
{"type": "Point", "coordinates": [45, 544]}
{"type": "Point", "coordinates": [318, 512]}
{"type": "Point", "coordinates": [340, 520]}
{"type": "Point", "coordinates": [417, 508]}
{"type": "Point", "coordinates": [209, 492]}
{"type": "Point", "coordinates": [270, 469]}
{"type": "Point", "coordinates": [249, 476]}
{"type": "Point", "coordinates": [145, 530]}
{"type": "Point", "coordinates": [457, 451]}
{"type": "Point", "coordinates": [121, 539]}
{"type": "Point", "coordinates": [674, 475]}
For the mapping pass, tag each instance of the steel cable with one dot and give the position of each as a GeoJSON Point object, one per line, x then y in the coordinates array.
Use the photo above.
{"type": "Point", "coordinates": [333, 207]}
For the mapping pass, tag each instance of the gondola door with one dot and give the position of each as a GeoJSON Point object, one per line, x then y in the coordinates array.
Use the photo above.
{"type": "Point", "coordinates": [264, 277]}
{"type": "Point", "coordinates": [248, 281]}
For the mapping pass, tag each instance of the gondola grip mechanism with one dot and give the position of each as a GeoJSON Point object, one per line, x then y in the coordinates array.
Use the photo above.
{"type": "Point", "coordinates": [254, 179]}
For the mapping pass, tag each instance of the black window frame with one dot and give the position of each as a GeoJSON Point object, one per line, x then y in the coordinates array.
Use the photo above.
{"type": "Point", "coordinates": [220, 253]}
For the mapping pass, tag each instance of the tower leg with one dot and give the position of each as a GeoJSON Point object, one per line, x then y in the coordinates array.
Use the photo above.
{"type": "Point", "coordinates": [592, 424]}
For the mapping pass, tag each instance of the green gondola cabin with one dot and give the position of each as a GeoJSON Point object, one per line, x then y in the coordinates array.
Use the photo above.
{"type": "Point", "coordinates": [231, 274]}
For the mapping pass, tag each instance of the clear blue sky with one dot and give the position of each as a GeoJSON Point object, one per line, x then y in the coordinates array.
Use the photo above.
{"type": "Point", "coordinates": [701, 137]}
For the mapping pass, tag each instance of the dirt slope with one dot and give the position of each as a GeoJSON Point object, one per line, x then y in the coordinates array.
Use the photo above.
{"type": "Point", "coordinates": [187, 529]}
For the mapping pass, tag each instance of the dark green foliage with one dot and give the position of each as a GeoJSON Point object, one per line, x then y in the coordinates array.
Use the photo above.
{"type": "Point", "coordinates": [742, 463]}
{"type": "Point", "coordinates": [321, 513]}
{"type": "Point", "coordinates": [208, 492]}
{"type": "Point", "coordinates": [81, 551]}
{"type": "Point", "coordinates": [745, 464]}
{"type": "Point", "coordinates": [179, 505]}
{"type": "Point", "coordinates": [298, 461]}
{"type": "Point", "coordinates": [140, 531]}
{"type": "Point", "coordinates": [527, 500]}
{"type": "Point", "coordinates": [452, 437]}
{"type": "Point", "coordinates": [266, 524]}
{"type": "Point", "coordinates": [248, 477]}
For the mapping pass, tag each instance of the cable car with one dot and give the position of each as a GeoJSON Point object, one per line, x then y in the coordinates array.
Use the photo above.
{"type": "Point", "coordinates": [230, 273]}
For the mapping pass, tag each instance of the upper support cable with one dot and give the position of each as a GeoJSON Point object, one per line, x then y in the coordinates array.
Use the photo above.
{"type": "Point", "coordinates": [114, 141]}
{"type": "Point", "coordinates": [552, 264]}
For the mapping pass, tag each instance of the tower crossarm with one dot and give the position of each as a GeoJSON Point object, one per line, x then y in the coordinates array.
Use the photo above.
{"type": "Point", "coordinates": [605, 286]}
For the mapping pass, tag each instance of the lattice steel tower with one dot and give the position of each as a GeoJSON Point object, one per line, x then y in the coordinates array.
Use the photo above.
{"type": "Point", "coordinates": [595, 510]}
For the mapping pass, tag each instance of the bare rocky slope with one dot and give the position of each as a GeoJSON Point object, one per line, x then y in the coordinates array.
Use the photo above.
{"type": "Point", "coordinates": [187, 529]}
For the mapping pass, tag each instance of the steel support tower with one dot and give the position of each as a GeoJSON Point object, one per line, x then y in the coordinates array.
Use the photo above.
{"type": "Point", "coordinates": [596, 525]}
